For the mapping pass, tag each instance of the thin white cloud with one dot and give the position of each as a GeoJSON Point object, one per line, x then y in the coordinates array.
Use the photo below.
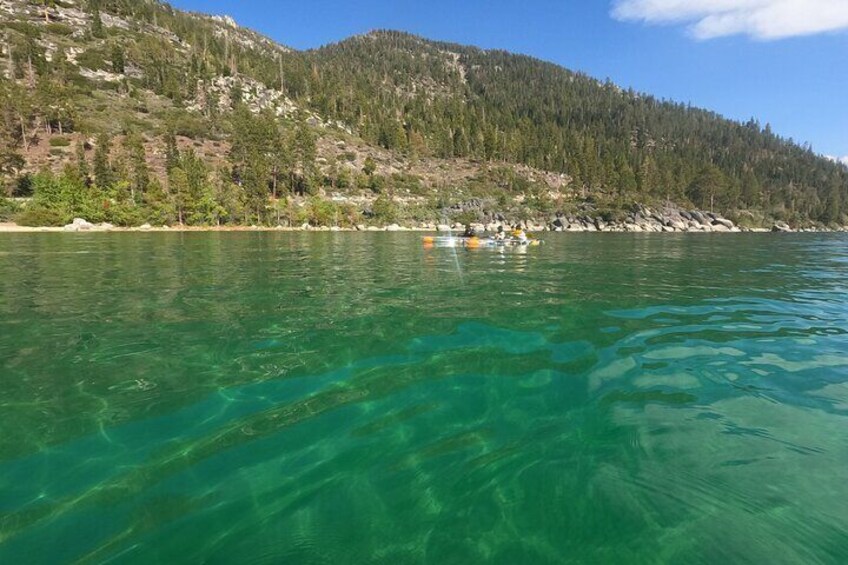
{"type": "Point", "coordinates": [760, 19]}
{"type": "Point", "coordinates": [843, 160]}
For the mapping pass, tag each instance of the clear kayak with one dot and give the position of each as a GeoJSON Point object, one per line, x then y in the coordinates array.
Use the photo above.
{"type": "Point", "coordinates": [476, 242]}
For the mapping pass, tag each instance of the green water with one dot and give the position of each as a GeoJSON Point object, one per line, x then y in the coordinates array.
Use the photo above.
{"type": "Point", "coordinates": [356, 398]}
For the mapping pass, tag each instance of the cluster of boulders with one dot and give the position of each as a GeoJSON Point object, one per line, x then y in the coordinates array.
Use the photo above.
{"type": "Point", "coordinates": [639, 220]}
{"type": "Point", "coordinates": [218, 92]}
{"type": "Point", "coordinates": [83, 225]}
{"type": "Point", "coordinates": [360, 227]}
{"type": "Point", "coordinates": [644, 219]}
{"type": "Point", "coordinates": [474, 205]}
{"type": "Point", "coordinates": [256, 96]}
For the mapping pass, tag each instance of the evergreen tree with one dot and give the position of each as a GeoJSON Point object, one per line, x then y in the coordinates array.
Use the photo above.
{"type": "Point", "coordinates": [627, 183]}
{"type": "Point", "coordinates": [83, 170]}
{"type": "Point", "coordinates": [370, 166]}
{"type": "Point", "coordinates": [178, 187]}
{"type": "Point", "coordinates": [118, 59]}
{"type": "Point", "coordinates": [103, 172]}
{"type": "Point", "coordinates": [97, 29]}
{"type": "Point", "coordinates": [188, 182]}
{"type": "Point", "coordinates": [751, 189]}
{"type": "Point", "coordinates": [709, 183]}
{"type": "Point", "coordinates": [833, 208]}
{"type": "Point", "coordinates": [304, 152]}
{"type": "Point", "coordinates": [139, 170]}
{"type": "Point", "coordinates": [258, 158]}
{"type": "Point", "coordinates": [172, 152]}
{"type": "Point", "coordinates": [160, 205]}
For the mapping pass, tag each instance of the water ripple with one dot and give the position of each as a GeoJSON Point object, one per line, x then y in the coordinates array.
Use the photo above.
{"type": "Point", "coordinates": [354, 397]}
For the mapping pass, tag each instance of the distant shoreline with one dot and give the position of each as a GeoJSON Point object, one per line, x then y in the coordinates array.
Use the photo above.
{"type": "Point", "coordinates": [11, 227]}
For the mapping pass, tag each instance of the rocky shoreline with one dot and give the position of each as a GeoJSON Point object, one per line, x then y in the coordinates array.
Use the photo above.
{"type": "Point", "coordinates": [641, 220]}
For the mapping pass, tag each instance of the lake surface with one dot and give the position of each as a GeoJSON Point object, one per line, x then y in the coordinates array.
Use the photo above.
{"type": "Point", "coordinates": [356, 398]}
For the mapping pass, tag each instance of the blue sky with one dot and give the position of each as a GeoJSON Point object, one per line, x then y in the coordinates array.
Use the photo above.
{"type": "Point", "coordinates": [784, 62]}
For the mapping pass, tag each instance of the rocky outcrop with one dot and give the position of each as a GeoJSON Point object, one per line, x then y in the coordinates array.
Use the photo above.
{"type": "Point", "coordinates": [218, 94]}
{"type": "Point", "coordinates": [644, 220]}
{"type": "Point", "coordinates": [472, 206]}
{"type": "Point", "coordinates": [80, 224]}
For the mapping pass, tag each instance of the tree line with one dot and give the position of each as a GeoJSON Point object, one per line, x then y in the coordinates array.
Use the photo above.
{"type": "Point", "coordinates": [414, 97]}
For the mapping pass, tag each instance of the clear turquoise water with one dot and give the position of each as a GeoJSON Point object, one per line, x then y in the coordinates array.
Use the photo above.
{"type": "Point", "coordinates": [356, 398]}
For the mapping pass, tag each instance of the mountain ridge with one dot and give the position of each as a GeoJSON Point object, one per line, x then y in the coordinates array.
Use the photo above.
{"type": "Point", "coordinates": [146, 68]}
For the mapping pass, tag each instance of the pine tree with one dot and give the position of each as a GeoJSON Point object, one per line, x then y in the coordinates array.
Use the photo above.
{"type": "Point", "coordinates": [709, 183]}
{"type": "Point", "coordinates": [159, 204]}
{"type": "Point", "coordinates": [97, 29]}
{"type": "Point", "coordinates": [83, 170]}
{"type": "Point", "coordinates": [140, 172]}
{"type": "Point", "coordinates": [627, 184]}
{"type": "Point", "coordinates": [118, 59]}
{"type": "Point", "coordinates": [304, 152]}
{"type": "Point", "coordinates": [103, 172]}
{"type": "Point", "coordinates": [370, 166]}
{"type": "Point", "coordinates": [833, 204]}
{"type": "Point", "coordinates": [172, 152]}
{"type": "Point", "coordinates": [751, 189]}
{"type": "Point", "coordinates": [180, 192]}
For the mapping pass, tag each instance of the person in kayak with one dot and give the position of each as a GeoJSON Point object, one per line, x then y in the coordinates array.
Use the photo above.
{"type": "Point", "coordinates": [469, 231]}
{"type": "Point", "coordinates": [519, 234]}
{"type": "Point", "coordinates": [500, 235]}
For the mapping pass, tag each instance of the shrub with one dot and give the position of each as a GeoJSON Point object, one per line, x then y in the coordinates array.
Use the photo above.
{"type": "Point", "coordinates": [125, 214]}
{"type": "Point", "coordinates": [384, 209]}
{"type": "Point", "coordinates": [351, 214]}
{"type": "Point", "coordinates": [58, 29]}
{"type": "Point", "coordinates": [467, 217]}
{"type": "Point", "coordinates": [8, 209]}
{"type": "Point", "coordinates": [23, 186]}
{"type": "Point", "coordinates": [418, 213]}
{"type": "Point", "coordinates": [343, 179]}
{"type": "Point", "coordinates": [24, 28]}
{"type": "Point", "coordinates": [377, 183]}
{"type": "Point", "coordinates": [94, 59]}
{"type": "Point", "coordinates": [38, 216]}
{"type": "Point", "coordinates": [187, 125]}
{"type": "Point", "coordinates": [407, 182]}
{"type": "Point", "coordinates": [59, 142]}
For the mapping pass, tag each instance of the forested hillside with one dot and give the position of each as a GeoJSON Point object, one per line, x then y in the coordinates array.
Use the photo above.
{"type": "Point", "coordinates": [131, 111]}
{"type": "Point", "coordinates": [404, 92]}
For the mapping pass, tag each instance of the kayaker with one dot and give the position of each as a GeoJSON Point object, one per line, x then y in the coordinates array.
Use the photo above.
{"type": "Point", "coordinates": [500, 235]}
{"type": "Point", "coordinates": [519, 234]}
